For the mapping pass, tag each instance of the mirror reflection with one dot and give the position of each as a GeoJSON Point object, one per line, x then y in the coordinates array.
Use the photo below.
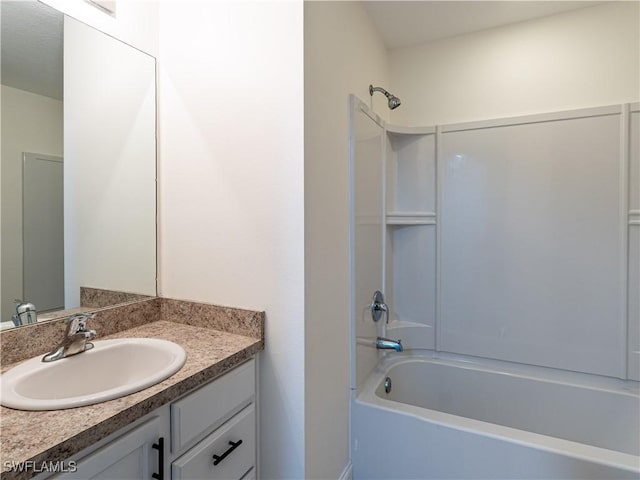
{"type": "Point", "coordinates": [78, 167]}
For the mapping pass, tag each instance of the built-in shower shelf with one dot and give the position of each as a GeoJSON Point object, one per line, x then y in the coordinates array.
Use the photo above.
{"type": "Point", "coordinates": [411, 218]}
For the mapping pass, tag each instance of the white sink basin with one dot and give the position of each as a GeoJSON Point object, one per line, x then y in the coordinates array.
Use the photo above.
{"type": "Point", "coordinates": [112, 369]}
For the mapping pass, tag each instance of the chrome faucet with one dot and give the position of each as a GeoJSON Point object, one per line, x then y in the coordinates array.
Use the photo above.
{"type": "Point", "coordinates": [386, 344]}
{"type": "Point", "coordinates": [75, 338]}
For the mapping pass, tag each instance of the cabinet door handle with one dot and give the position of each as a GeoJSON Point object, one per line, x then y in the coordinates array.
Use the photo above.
{"type": "Point", "coordinates": [160, 447]}
{"type": "Point", "coordinates": [218, 458]}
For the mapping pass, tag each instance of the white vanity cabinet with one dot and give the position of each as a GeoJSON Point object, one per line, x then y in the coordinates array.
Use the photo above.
{"type": "Point", "coordinates": [208, 433]}
{"type": "Point", "coordinates": [135, 454]}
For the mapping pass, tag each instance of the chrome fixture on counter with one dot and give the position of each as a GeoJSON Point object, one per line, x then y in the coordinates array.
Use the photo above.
{"type": "Point", "coordinates": [75, 338]}
{"type": "Point", "coordinates": [25, 313]}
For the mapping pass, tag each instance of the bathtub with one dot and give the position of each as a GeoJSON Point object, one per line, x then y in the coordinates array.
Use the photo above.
{"type": "Point", "coordinates": [448, 416]}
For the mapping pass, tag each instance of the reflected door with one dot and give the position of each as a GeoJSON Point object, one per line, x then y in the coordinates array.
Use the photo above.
{"type": "Point", "coordinates": [43, 227]}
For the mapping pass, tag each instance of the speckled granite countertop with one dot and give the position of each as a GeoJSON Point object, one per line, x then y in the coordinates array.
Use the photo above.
{"type": "Point", "coordinates": [56, 435]}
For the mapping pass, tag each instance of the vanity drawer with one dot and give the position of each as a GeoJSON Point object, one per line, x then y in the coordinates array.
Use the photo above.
{"type": "Point", "coordinates": [202, 411]}
{"type": "Point", "coordinates": [233, 446]}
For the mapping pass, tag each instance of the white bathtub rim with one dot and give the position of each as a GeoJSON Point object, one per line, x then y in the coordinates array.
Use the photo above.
{"type": "Point", "coordinates": [580, 451]}
{"type": "Point", "coordinates": [531, 372]}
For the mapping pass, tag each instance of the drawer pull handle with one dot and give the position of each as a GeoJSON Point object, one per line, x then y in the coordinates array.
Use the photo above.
{"type": "Point", "coordinates": [160, 447]}
{"type": "Point", "coordinates": [217, 459]}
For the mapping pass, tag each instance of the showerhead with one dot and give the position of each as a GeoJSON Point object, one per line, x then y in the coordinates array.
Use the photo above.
{"type": "Point", "coordinates": [393, 101]}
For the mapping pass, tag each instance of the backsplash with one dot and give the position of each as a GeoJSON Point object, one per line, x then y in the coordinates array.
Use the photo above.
{"type": "Point", "coordinates": [28, 341]}
{"type": "Point", "coordinates": [233, 320]}
{"type": "Point", "coordinates": [100, 298]}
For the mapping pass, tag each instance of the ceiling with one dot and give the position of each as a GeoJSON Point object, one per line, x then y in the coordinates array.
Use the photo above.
{"type": "Point", "coordinates": [31, 47]}
{"type": "Point", "coordinates": [407, 23]}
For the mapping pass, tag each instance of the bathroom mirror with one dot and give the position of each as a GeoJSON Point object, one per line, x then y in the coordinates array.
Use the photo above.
{"type": "Point", "coordinates": [78, 166]}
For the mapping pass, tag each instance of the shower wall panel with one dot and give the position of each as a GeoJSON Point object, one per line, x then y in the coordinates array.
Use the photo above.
{"type": "Point", "coordinates": [367, 197]}
{"type": "Point", "coordinates": [413, 271]}
{"type": "Point", "coordinates": [411, 235]}
{"type": "Point", "coordinates": [533, 257]}
{"type": "Point", "coordinates": [634, 244]}
{"type": "Point", "coordinates": [411, 168]}
{"type": "Point", "coordinates": [518, 239]}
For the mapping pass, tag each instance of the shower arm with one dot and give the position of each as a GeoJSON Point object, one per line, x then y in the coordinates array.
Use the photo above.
{"type": "Point", "coordinates": [378, 89]}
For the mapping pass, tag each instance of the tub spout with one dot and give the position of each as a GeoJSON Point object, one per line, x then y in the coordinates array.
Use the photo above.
{"type": "Point", "coordinates": [386, 344]}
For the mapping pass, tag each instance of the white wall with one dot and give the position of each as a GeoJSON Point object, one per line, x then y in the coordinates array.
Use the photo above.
{"type": "Point", "coordinates": [231, 188]}
{"type": "Point", "coordinates": [578, 59]}
{"type": "Point", "coordinates": [343, 55]}
{"type": "Point", "coordinates": [30, 123]}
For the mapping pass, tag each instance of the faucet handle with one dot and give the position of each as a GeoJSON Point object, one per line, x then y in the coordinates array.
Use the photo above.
{"type": "Point", "coordinates": [77, 322]}
{"type": "Point", "coordinates": [378, 306]}
{"type": "Point", "coordinates": [81, 316]}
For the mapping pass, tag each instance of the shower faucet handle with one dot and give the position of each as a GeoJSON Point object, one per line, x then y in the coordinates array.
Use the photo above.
{"type": "Point", "coordinates": [378, 306]}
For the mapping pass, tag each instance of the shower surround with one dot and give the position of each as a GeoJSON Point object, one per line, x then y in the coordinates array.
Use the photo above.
{"type": "Point", "coordinates": [508, 251]}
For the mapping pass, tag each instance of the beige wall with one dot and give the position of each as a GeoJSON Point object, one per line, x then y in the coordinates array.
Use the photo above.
{"type": "Point", "coordinates": [582, 58]}
{"type": "Point", "coordinates": [30, 123]}
{"type": "Point", "coordinates": [343, 55]}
